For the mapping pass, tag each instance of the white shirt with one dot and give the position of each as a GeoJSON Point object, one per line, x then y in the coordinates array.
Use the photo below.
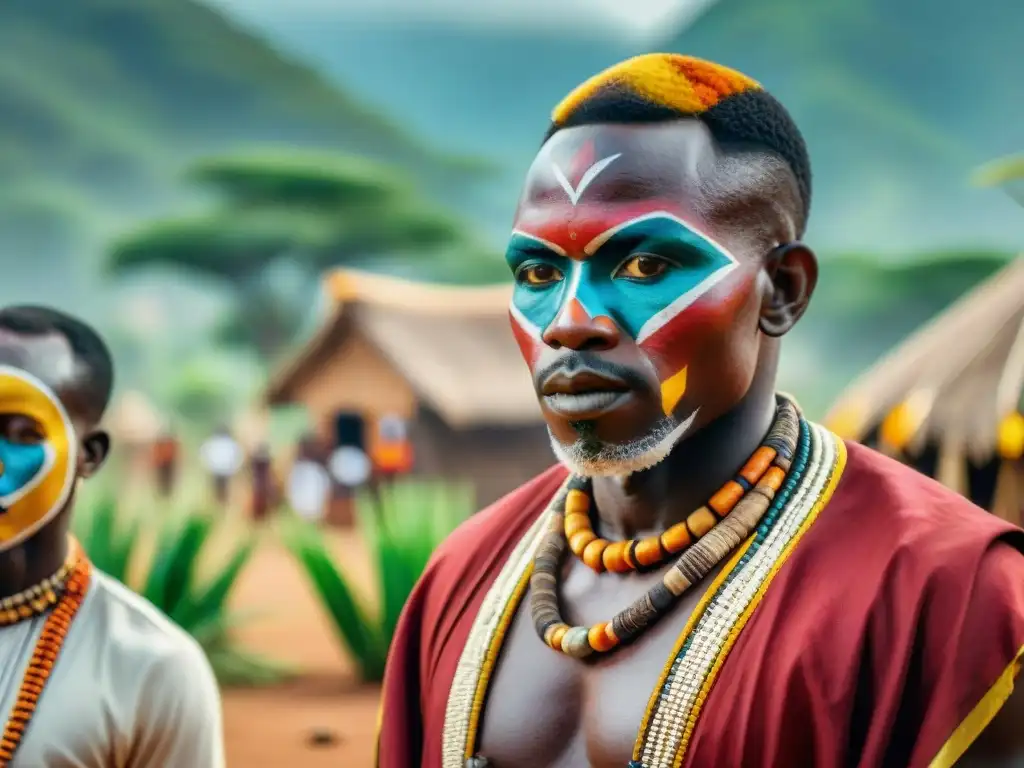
{"type": "Point", "coordinates": [221, 456]}
{"type": "Point", "coordinates": [309, 487]}
{"type": "Point", "coordinates": [129, 690]}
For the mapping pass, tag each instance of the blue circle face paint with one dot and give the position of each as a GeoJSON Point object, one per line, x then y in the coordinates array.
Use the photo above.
{"type": "Point", "coordinates": [37, 470]}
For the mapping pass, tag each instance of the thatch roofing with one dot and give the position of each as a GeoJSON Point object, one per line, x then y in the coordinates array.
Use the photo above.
{"type": "Point", "coordinates": [961, 374]}
{"type": "Point", "coordinates": [453, 344]}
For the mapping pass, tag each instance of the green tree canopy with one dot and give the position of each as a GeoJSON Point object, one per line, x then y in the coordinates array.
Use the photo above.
{"type": "Point", "coordinates": [313, 211]}
{"type": "Point", "coordinates": [308, 180]}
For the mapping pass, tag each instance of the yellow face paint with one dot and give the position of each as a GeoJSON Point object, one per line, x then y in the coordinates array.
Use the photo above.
{"type": "Point", "coordinates": [672, 391]}
{"type": "Point", "coordinates": [36, 476]}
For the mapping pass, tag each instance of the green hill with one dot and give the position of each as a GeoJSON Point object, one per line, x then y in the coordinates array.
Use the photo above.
{"type": "Point", "coordinates": [898, 102]}
{"type": "Point", "coordinates": [103, 100]}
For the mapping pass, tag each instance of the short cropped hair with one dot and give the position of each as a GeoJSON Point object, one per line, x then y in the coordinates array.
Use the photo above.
{"type": "Point", "coordinates": [90, 351]}
{"type": "Point", "coordinates": [660, 87]}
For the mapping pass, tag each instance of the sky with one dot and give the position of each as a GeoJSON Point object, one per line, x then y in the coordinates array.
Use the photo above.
{"type": "Point", "coordinates": [641, 19]}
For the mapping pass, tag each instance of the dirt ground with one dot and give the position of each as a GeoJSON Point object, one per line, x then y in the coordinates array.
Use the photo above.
{"type": "Point", "coordinates": [276, 727]}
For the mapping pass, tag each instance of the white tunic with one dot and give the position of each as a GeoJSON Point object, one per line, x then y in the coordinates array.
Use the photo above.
{"type": "Point", "coordinates": [129, 690]}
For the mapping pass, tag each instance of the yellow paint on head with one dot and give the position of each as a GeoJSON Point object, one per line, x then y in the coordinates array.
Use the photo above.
{"type": "Point", "coordinates": [686, 84]}
{"type": "Point", "coordinates": [672, 391]}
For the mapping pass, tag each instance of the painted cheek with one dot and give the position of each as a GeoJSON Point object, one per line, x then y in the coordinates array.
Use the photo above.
{"type": "Point", "coordinates": [526, 338]}
{"type": "Point", "coordinates": [19, 464]}
{"type": "Point", "coordinates": [678, 349]}
{"type": "Point", "coordinates": [673, 345]}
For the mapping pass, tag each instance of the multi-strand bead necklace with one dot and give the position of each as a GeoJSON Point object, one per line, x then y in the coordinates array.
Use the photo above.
{"type": "Point", "coordinates": [34, 600]}
{"type": "Point", "coordinates": [65, 591]}
{"type": "Point", "coordinates": [704, 539]}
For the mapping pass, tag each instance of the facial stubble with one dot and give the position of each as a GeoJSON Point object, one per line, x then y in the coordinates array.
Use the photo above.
{"type": "Point", "coordinates": [591, 457]}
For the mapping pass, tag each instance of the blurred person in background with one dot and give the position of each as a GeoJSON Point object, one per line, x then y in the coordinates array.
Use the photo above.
{"type": "Point", "coordinates": [308, 489]}
{"type": "Point", "coordinates": [165, 462]}
{"type": "Point", "coordinates": [91, 674]}
{"type": "Point", "coordinates": [264, 492]}
{"type": "Point", "coordinates": [392, 451]}
{"type": "Point", "coordinates": [708, 579]}
{"type": "Point", "coordinates": [222, 457]}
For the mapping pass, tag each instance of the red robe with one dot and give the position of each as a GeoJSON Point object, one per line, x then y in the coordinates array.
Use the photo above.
{"type": "Point", "coordinates": [898, 617]}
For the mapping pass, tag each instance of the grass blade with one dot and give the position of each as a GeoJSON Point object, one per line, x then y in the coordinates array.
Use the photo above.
{"type": "Point", "coordinates": [174, 562]}
{"type": "Point", "coordinates": [353, 625]}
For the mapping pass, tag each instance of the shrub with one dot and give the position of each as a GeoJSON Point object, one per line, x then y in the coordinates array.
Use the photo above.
{"type": "Point", "coordinates": [171, 578]}
{"type": "Point", "coordinates": [401, 525]}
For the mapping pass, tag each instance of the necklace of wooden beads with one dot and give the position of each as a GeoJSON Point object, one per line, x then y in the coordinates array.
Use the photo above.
{"type": "Point", "coordinates": [45, 654]}
{"type": "Point", "coordinates": [644, 554]}
{"type": "Point", "coordinates": [787, 437]}
{"type": "Point", "coordinates": [37, 599]}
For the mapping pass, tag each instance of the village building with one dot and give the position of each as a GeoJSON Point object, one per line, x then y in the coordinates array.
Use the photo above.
{"type": "Point", "coordinates": [440, 359]}
{"type": "Point", "coordinates": [948, 400]}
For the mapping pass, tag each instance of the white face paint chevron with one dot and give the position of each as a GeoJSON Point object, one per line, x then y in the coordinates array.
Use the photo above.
{"type": "Point", "coordinates": [575, 193]}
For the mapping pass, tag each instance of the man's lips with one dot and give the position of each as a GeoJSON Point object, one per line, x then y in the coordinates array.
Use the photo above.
{"type": "Point", "coordinates": [583, 395]}
{"type": "Point", "coordinates": [581, 383]}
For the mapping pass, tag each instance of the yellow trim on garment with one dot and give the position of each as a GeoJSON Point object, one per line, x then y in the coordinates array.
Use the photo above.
{"type": "Point", "coordinates": [491, 660]}
{"type": "Point", "coordinates": [698, 611]}
{"type": "Point", "coordinates": [978, 719]}
{"type": "Point", "coordinates": [709, 681]}
{"type": "Point", "coordinates": [380, 727]}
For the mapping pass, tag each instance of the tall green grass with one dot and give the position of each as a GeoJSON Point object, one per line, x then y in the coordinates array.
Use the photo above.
{"type": "Point", "coordinates": [175, 577]}
{"type": "Point", "coordinates": [401, 525]}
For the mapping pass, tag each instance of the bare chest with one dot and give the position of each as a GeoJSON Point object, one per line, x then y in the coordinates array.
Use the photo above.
{"type": "Point", "coordinates": [546, 709]}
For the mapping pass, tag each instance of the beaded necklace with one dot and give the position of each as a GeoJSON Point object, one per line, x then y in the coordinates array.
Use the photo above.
{"type": "Point", "coordinates": [704, 642]}
{"type": "Point", "coordinates": [639, 554]}
{"type": "Point", "coordinates": [47, 650]}
{"type": "Point", "coordinates": [37, 599]}
{"type": "Point", "coordinates": [692, 566]}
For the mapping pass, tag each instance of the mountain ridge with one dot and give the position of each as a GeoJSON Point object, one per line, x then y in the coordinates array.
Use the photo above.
{"type": "Point", "coordinates": [879, 91]}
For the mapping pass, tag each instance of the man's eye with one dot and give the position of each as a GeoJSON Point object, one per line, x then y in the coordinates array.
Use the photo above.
{"type": "Point", "coordinates": [20, 429]}
{"type": "Point", "coordinates": [642, 268]}
{"type": "Point", "coordinates": [539, 274]}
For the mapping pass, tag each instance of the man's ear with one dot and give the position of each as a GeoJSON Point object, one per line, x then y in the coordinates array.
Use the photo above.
{"type": "Point", "coordinates": [793, 272]}
{"type": "Point", "coordinates": [95, 448]}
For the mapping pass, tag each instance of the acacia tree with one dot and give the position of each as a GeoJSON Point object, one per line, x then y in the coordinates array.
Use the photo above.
{"type": "Point", "coordinates": [300, 214]}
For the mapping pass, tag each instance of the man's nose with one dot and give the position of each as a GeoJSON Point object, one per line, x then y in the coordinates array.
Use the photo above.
{"type": "Point", "coordinates": [575, 329]}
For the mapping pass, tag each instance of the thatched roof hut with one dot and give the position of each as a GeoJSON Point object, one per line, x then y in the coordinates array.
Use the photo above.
{"type": "Point", "coordinates": [442, 358]}
{"type": "Point", "coordinates": [948, 399]}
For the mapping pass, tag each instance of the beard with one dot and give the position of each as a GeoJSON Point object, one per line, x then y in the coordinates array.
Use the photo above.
{"type": "Point", "coordinates": [590, 457]}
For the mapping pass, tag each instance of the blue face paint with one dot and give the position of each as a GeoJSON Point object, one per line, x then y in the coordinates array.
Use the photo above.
{"type": "Point", "coordinates": [596, 283]}
{"type": "Point", "coordinates": [21, 464]}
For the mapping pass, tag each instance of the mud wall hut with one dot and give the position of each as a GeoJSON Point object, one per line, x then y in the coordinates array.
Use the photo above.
{"type": "Point", "coordinates": [441, 358]}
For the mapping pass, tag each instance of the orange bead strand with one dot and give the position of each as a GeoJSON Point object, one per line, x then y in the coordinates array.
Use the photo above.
{"type": "Point", "coordinates": [624, 556]}
{"type": "Point", "coordinates": [45, 655]}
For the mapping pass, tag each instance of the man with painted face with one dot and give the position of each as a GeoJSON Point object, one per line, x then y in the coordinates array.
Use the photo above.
{"type": "Point", "coordinates": [708, 579]}
{"type": "Point", "coordinates": [91, 675]}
